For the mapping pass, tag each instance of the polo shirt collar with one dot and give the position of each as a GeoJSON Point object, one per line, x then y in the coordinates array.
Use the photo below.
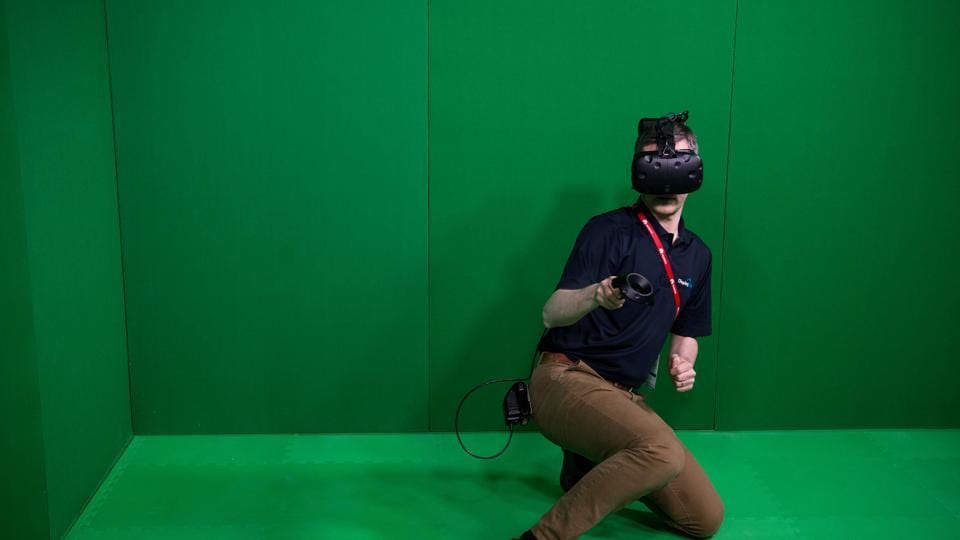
{"type": "Point", "coordinates": [683, 236]}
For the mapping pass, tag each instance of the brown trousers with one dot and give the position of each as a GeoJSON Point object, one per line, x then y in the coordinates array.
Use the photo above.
{"type": "Point", "coordinates": [638, 455]}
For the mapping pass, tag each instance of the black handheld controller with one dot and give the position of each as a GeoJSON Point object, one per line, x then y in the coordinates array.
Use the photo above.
{"type": "Point", "coordinates": [634, 287]}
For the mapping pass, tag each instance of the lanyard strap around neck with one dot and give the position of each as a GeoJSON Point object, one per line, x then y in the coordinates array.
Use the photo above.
{"type": "Point", "coordinates": [663, 258]}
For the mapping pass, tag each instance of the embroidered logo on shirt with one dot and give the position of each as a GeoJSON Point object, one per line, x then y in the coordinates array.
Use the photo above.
{"type": "Point", "coordinates": [688, 282]}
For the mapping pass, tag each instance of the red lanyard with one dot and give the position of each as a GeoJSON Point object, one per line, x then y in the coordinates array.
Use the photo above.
{"type": "Point", "coordinates": [663, 258]}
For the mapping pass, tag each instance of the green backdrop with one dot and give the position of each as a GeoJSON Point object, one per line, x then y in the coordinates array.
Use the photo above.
{"type": "Point", "coordinates": [272, 166]}
{"type": "Point", "coordinates": [274, 171]}
{"type": "Point", "coordinates": [300, 186]}
{"type": "Point", "coordinates": [66, 316]}
{"type": "Point", "coordinates": [338, 218]}
{"type": "Point", "coordinates": [22, 467]}
{"type": "Point", "coordinates": [839, 301]}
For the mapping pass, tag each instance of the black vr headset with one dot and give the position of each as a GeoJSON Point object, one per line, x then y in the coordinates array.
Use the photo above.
{"type": "Point", "coordinates": [666, 170]}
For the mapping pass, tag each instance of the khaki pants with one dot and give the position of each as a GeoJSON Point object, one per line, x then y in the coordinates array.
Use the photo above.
{"type": "Point", "coordinates": [638, 455]}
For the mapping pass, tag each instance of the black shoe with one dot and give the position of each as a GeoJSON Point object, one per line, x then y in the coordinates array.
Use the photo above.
{"type": "Point", "coordinates": [573, 469]}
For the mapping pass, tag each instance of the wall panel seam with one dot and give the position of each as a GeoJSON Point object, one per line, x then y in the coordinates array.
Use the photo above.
{"type": "Point", "coordinates": [116, 178]}
{"type": "Point", "coordinates": [723, 237]}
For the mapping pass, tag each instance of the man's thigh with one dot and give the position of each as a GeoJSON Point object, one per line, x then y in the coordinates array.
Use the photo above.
{"type": "Point", "coordinates": [580, 411]}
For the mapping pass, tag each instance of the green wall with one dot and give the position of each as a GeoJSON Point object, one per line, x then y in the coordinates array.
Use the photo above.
{"type": "Point", "coordinates": [23, 498]}
{"type": "Point", "coordinates": [64, 142]}
{"type": "Point", "coordinates": [272, 171]}
{"type": "Point", "coordinates": [839, 296]}
{"type": "Point", "coordinates": [533, 113]}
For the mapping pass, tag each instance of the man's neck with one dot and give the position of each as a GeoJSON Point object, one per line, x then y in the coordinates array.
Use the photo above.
{"type": "Point", "coordinates": [671, 223]}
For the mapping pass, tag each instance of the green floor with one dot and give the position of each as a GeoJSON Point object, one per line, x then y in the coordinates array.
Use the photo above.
{"type": "Point", "coordinates": [787, 484]}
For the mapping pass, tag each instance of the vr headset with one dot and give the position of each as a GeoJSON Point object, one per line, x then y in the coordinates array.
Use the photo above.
{"type": "Point", "coordinates": [666, 170]}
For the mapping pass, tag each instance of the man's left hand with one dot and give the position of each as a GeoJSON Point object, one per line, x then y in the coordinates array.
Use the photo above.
{"type": "Point", "coordinates": [682, 373]}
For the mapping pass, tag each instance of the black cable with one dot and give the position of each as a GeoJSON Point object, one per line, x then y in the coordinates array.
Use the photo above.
{"type": "Point", "coordinates": [533, 361]}
{"type": "Point", "coordinates": [456, 417]}
{"type": "Point", "coordinates": [456, 420]}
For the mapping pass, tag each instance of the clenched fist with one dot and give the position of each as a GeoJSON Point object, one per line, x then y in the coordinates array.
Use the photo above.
{"type": "Point", "coordinates": [606, 296]}
{"type": "Point", "coordinates": [682, 373]}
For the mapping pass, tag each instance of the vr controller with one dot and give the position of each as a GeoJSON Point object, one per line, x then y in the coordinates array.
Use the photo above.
{"type": "Point", "coordinates": [634, 287]}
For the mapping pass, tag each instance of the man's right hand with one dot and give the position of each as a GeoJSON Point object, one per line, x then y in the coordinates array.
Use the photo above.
{"type": "Point", "coordinates": [606, 296]}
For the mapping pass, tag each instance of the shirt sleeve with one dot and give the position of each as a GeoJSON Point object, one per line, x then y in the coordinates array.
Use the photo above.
{"type": "Point", "coordinates": [590, 260]}
{"type": "Point", "coordinates": [694, 318]}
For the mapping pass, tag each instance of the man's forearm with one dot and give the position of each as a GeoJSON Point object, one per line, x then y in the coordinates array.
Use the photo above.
{"type": "Point", "coordinates": [567, 306]}
{"type": "Point", "coordinates": [686, 347]}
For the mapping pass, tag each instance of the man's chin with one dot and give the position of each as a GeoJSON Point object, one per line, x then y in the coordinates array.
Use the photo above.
{"type": "Point", "coordinates": [664, 206]}
{"type": "Point", "coordinates": [667, 209]}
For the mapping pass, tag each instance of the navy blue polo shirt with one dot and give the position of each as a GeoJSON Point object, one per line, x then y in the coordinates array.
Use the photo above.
{"type": "Point", "coordinates": [623, 344]}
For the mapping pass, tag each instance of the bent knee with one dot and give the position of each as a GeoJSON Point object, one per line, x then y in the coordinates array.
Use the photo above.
{"type": "Point", "coordinates": [666, 457]}
{"type": "Point", "coordinates": [670, 455]}
{"type": "Point", "coordinates": [708, 522]}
